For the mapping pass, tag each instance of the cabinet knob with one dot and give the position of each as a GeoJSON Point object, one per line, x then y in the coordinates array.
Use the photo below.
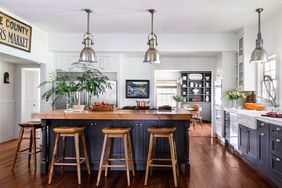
{"type": "Point", "coordinates": [278, 159]}
{"type": "Point", "coordinates": [140, 124]}
{"type": "Point", "coordinates": [278, 129]}
{"type": "Point", "coordinates": [136, 124]}
{"type": "Point", "coordinates": [278, 140]}
{"type": "Point", "coordinates": [262, 124]}
{"type": "Point", "coordinates": [262, 134]}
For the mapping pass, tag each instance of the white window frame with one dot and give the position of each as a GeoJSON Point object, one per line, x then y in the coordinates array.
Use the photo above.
{"type": "Point", "coordinates": [262, 72]}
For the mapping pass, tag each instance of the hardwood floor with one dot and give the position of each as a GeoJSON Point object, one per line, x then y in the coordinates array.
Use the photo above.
{"type": "Point", "coordinates": [212, 166]}
{"type": "Point", "coordinates": [200, 131]}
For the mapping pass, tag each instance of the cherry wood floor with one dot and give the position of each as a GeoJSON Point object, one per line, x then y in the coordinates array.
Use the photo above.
{"type": "Point", "coordinates": [212, 166]}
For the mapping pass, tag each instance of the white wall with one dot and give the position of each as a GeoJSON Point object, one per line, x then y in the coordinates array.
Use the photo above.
{"type": "Point", "coordinates": [39, 44]}
{"type": "Point", "coordinates": [7, 103]}
{"type": "Point", "coordinates": [132, 67]}
{"type": "Point", "coordinates": [128, 42]}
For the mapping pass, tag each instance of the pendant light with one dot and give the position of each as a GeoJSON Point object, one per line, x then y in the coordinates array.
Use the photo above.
{"type": "Point", "coordinates": [152, 55]}
{"type": "Point", "coordinates": [87, 54]}
{"type": "Point", "coordinates": [259, 55]}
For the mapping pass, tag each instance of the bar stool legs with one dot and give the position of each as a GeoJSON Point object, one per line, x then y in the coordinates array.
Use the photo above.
{"type": "Point", "coordinates": [18, 147]}
{"type": "Point", "coordinates": [161, 133]}
{"type": "Point", "coordinates": [69, 132]}
{"type": "Point", "coordinates": [51, 173]}
{"type": "Point", "coordinates": [111, 133]}
{"type": "Point", "coordinates": [32, 126]}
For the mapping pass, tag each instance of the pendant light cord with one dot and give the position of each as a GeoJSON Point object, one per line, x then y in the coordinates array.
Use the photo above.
{"type": "Point", "coordinates": [88, 19]}
{"type": "Point", "coordinates": [152, 22]}
{"type": "Point", "coordinates": [259, 10]}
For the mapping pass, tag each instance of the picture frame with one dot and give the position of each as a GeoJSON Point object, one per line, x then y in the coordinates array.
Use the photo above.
{"type": "Point", "coordinates": [137, 89]}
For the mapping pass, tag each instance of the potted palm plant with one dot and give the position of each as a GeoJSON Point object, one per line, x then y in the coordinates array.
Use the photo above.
{"type": "Point", "coordinates": [62, 85]}
{"type": "Point", "coordinates": [91, 81]}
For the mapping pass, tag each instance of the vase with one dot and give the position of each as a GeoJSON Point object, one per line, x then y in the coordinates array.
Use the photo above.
{"type": "Point", "coordinates": [234, 103]}
{"type": "Point", "coordinates": [178, 106]}
{"type": "Point", "coordinates": [71, 100]}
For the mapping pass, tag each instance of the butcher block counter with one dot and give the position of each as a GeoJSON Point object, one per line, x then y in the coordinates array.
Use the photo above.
{"type": "Point", "coordinates": [138, 120]}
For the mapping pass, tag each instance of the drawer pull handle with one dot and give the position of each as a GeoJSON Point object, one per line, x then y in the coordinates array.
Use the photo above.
{"type": "Point", "coordinates": [262, 134]}
{"type": "Point", "coordinates": [140, 124]}
{"type": "Point", "coordinates": [278, 159]}
{"type": "Point", "coordinates": [136, 124]}
{"type": "Point", "coordinates": [278, 140]}
{"type": "Point", "coordinates": [278, 129]}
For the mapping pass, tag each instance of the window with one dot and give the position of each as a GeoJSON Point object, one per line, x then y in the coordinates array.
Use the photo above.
{"type": "Point", "coordinates": [166, 89]}
{"type": "Point", "coordinates": [269, 68]}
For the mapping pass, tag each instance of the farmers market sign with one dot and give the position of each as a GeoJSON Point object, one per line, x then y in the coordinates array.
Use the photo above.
{"type": "Point", "coordinates": [14, 33]}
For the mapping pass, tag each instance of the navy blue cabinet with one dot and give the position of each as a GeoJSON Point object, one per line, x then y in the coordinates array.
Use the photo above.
{"type": "Point", "coordinates": [263, 148]}
{"type": "Point", "coordinates": [227, 126]}
{"type": "Point", "coordinates": [263, 145]}
{"type": "Point", "coordinates": [248, 143]}
{"type": "Point", "coordinates": [243, 139]}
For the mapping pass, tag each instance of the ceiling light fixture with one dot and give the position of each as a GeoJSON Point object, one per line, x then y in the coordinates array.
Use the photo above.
{"type": "Point", "coordinates": [259, 55]}
{"type": "Point", "coordinates": [87, 54]}
{"type": "Point", "coordinates": [152, 55]}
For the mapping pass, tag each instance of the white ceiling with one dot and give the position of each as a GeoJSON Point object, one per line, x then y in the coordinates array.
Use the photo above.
{"type": "Point", "coordinates": [130, 16]}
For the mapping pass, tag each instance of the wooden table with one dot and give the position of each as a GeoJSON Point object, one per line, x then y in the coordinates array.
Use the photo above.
{"type": "Point", "coordinates": [138, 120]}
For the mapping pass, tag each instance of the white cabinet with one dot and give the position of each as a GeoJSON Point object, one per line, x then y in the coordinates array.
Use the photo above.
{"type": "Point", "coordinates": [106, 62]}
{"type": "Point", "coordinates": [246, 71]}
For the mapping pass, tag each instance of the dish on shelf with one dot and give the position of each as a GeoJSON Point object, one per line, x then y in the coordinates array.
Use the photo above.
{"type": "Point", "coordinates": [195, 91]}
{"type": "Point", "coordinates": [207, 78]}
{"type": "Point", "coordinates": [195, 76]}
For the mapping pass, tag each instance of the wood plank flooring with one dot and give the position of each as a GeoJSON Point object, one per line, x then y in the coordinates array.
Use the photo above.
{"type": "Point", "coordinates": [212, 166]}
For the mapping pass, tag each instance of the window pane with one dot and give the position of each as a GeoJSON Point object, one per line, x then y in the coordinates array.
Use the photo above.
{"type": "Point", "coordinates": [272, 74]}
{"type": "Point", "coordinates": [272, 65]}
{"type": "Point", "coordinates": [266, 67]}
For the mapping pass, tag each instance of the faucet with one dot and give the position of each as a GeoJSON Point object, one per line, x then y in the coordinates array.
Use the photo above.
{"type": "Point", "coordinates": [273, 98]}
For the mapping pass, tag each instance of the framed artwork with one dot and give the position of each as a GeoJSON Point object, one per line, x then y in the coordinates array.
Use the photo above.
{"type": "Point", "coordinates": [137, 89]}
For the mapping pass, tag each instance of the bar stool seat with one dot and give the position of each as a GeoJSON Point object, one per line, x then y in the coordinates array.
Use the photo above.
{"type": "Point", "coordinates": [69, 132]}
{"type": "Point", "coordinates": [153, 130]}
{"type": "Point", "coordinates": [111, 133]}
{"type": "Point", "coordinates": [31, 126]}
{"type": "Point", "coordinates": [161, 133]}
{"type": "Point", "coordinates": [116, 130]}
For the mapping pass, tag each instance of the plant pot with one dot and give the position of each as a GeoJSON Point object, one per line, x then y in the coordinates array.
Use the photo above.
{"type": "Point", "coordinates": [234, 103]}
{"type": "Point", "coordinates": [78, 108]}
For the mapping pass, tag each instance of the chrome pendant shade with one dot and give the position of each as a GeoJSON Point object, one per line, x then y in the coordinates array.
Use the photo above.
{"type": "Point", "coordinates": [259, 55]}
{"type": "Point", "coordinates": [87, 54]}
{"type": "Point", "coordinates": [152, 55]}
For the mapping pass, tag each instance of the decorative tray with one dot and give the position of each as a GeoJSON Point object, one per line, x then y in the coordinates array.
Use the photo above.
{"type": "Point", "coordinates": [273, 116]}
{"type": "Point", "coordinates": [109, 107]}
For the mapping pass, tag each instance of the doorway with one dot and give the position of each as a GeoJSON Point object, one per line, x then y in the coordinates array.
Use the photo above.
{"type": "Point", "coordinates": [30, 95]}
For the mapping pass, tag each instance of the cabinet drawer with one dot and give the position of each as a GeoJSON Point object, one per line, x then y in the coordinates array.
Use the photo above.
{"type": "Point", "coordinates": [226, 116]}
{"type": "Point", "coordinates": [276, 166]}
{"type": "Point", "coordinates": [276, 145]}
{"type": "Point", "coordinates": [276, 130]}
{"type": "Point", "coordinates": [262, 125]}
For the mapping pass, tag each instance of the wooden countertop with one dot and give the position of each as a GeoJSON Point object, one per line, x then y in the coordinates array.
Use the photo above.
{"type": "Point", "coordinates": [116, 115]}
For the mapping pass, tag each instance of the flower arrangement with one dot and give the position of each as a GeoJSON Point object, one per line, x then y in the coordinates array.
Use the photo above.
{"type": "Point", "coordinates": [179, 99]}
{"type": "Point", "coordinates": [234, 94]}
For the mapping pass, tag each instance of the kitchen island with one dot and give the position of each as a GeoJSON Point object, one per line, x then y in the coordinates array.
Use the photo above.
{"type": "Point", "coordinates": [138, 120]}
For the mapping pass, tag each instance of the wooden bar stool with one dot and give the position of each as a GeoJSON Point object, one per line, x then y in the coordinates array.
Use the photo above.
{"type": "Point", "coordinates": [162, 133]}
{"type": "Point", "coordinates": [32, 149]}
{"type": "Point", "coordinates": [69, 132]}
{"type": "Point", "coordinates": [116, 133]}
